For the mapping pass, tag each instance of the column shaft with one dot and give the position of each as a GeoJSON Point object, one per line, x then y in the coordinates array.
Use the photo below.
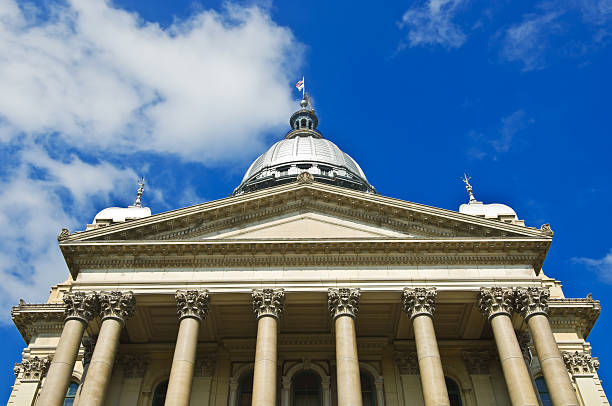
{"type": "Point", "coordinates": [183, 363]}
{"type": "Point", "coordinates": [553, 367]}
{"type": "Point", "coordinates": [264, 374]}
{"type": "Point", "coordinates": [430, 364]}
{"type": "Point", "coordinates": [101, 365]}
{"type": "Point", "coordinates": [347, 362]}
{"type": "Point", "coordinates": [513, 365]}
{"type": "Point", "coordinates": [58, 378]}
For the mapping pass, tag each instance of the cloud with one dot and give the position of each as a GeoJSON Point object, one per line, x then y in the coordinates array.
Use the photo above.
{"type": "Point", "coordinates": [483, 146]}
{"type": "Point", "coordinates": [38, 197]}
{"type": "Point", "coordinates": [431, 23]}
{"type": "Point", "coordinates": [102, 78]}
{"type": "Point", "coordinates": [602, 266]}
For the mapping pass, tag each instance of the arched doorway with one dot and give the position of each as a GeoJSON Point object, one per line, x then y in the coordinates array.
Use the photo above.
{"type": "Point", "coordinates": [454, 394]}
{"type": "Point", "coordinates": [368, 389]}
{"type": "Point", "coordinates": [306, 389]}
{"type": "Point", "coordinates": [159, 394]}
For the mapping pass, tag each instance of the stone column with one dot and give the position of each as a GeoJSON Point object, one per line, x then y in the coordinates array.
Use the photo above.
{"type": "Point", "coordinates": [115, 309]}
{"type": "Point", "coordinates": [419, 304]}
{"type": "Point", "coordinates": [583, 369]}
{"type": "Point", "coordinates": [532, 303]}
{"type": "Point", "coordinates": [29, 374]}
{"type": "Point", "coordinates": [268, 307]}
{"type": "Point", "coordinates": [89, 343]}
{"type": "Point", "coordinates": [496, 304]}
{"type": "Point", "coordinates": [344, 307]}
{"type": "Point", "coordinates": [192, 308]}
{"type": "Point", "coordinates": [80, 309]}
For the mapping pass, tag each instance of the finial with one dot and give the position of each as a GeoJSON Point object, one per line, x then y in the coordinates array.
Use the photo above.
{"type": "Point", "coordinates": [304, 103]}
{"type": "Point", "coordinates": [468, 187]}
{"type": "Point", "coordinates": [141, 185]}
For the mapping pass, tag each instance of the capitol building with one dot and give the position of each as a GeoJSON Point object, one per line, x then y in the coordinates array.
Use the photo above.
{"type": "Point", "coordinates": [306, 287]}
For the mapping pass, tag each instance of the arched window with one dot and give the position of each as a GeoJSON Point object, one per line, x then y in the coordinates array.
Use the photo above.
{"type": "Point", "coordinates": [454, 395]}
{"type": "Point", "coordinates": [245, 389]}
{"type": "Point", "coordinates": [306, 389]}
{"type": "Point", "coordinates": [159, 395]}
{"type": "Point", "coordinates": [543, 391]}
{"type": "Point", "coordinates": [72, 391]}
{"type": "Point", "coordinates": [303, 123]}
{"type": "Point", "coordinates": [368, 390]}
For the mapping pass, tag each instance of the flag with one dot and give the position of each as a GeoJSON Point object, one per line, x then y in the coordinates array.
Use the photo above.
{"type": "Point", "coordinates": [300, 84]}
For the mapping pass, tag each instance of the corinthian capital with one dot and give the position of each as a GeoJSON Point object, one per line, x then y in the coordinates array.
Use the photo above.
{"type": "Point", "coordinates": [80, 306]}
{"type": "Point", "coordinates": [495, 301]}
{"type": "Point", "coordinates": [420, 301]}
{"type": "Point", "coordinates": [268, 302]}
{"type": "Point", "coordinates": [343, 302]}
{"type": "Point", "coordinates": [33, 369]}
{"type": "Point", "coordinates": [580, 363]}
{"type": "Point", "coordinates": [192, 303]}
{"type": "Point", "coordinates": [531, 301]}
{"type": "Point", "coordinates": [117, 305]}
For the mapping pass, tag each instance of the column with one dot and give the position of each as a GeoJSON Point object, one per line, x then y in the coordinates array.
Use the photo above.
{"type": "Point", "coordinates": [89, 343]}
{"type": "Point", "coordinates": [532, 303]}
{"type": "Point", "coordinates": [80, 309]}
{"type": "Point", "coordinates": [268, 307]}
{"type": "Point", "coordinates": [419, 304]}
{"type": "Point", "coordinates": [344, 307]}
{"type": "Point", "coordinates": [115, 309]}
{"type": "Point", "coordinates": [496, 304]}
{"type": "Point", "coordinates": [583, 369]}
{"type": "Point", "coordinates": [192, 308]}
{"type": "Point", "coordinates": [29, 374]}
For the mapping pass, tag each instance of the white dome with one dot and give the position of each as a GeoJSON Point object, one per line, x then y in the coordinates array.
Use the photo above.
{"type": "Point", "coordinates": [121, 214]}
{"type": "Point", "coordinates": [304, 149]}
{"type": "Point", "coordinates": [490, 211]}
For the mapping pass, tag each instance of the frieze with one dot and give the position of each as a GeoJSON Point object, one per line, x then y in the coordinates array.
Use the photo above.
{"type": "Point", "coordinates": [343, 302]}
{"type": "Point", "coordinates": [580, 363]}
{"type": "Point", "coordinates": [268, 302]}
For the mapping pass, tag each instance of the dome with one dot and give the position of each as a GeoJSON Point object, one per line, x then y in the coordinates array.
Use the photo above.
{"type": "Point", "coordinates": [304, 150]}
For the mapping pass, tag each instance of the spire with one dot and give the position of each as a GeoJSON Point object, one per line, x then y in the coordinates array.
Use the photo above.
{"type": "Point", "coordinates": [141, 185]}
{"type": "Point", "coordinates": [468, 187]}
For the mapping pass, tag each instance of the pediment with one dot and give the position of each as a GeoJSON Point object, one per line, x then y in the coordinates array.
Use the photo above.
{"type": "Point", "coordinates": [307, 211]}
{"type": "Point", "coordinates": [308, 225]}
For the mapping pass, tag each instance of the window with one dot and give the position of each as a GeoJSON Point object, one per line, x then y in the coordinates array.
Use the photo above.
{"type": "Point", "coordinates": [306, 389]}
{"type": "Point", "coordinates": [303, 123]}
{"type": "Point", "coordinates": [368, 391]}
{"type": "Point", "coordinates": [245, 390]}
{"type": "Point", "coordinates": [454, 394]}
{"type": "Point", "coordinates": [543, 391]}
{"type": "Point", "coordinates": [72, 391]}
{"type": "Point", "coordinates": [159, 395]}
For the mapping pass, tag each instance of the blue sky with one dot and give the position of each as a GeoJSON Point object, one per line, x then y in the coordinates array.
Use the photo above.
{"type": "Point", "coordinates": [188, 93]}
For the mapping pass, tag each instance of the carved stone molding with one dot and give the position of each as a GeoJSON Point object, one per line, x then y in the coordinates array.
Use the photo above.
{"type": "Point", "coordinates": [305, 177]}
{"type": "Point", "coordinates": [192, 303]}
{"type": "Point", "coordinates": [496, 300]}
{"type": "Point", "coordinates": [343, 302]}
{"type": "Point", "coordinates": [134, 365]}
{"type": "Point", "coordinates": [268, 302]}
{"type": "Point", "coordinates": [204, 367]}
{"type": "Point", "coordinates": [89, 343]}
{"type": "Point", "coordinates": [531, 301]}
{"type": "Point", "coordinates": [419, 301]}
{"type": "Point", "coordinates": [524, 339]}
{"type": "Point", "coordinates": [117, 305]}
{"type": "Point", "coordinates": [32, 369]}
{"type": "Point", "coordinates": [407, 362]}
{"type": "Point", "coordinates": [81, 306]}
{"type": "Point", "coordinates": [580, 363]}
{"type": "Point", "coordinates": [477, 362]}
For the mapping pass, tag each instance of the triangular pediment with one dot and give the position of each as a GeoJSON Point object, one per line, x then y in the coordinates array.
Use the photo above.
{"type": "Point", "coordinates": [307, 211]}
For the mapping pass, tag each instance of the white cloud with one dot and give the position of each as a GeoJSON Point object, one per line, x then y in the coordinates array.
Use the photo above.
{"type": "Point", "coordinates": [603, 266]}
{"type": "Point", "coordinates": [33, 212]}
{"type": "Point", "coordinates": [431, 23]}
{"type": "Point", "coordinates": [102, 78]}
{"type": "Point", "coordinates": [503, 139]}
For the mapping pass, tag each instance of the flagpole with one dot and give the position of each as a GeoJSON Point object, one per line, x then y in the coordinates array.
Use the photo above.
{"type": "Point", "coordinates": [303, 87]}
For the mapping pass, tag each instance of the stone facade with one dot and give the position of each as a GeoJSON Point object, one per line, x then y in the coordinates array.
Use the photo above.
{"type": "Point", "coordinates": [381, 301]}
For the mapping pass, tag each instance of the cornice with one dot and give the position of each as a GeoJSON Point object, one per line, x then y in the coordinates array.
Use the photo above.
{"type": "Point", "coordinates": [578, 313]}
{"type": "Point", "coordinates": [332, 252]}
{"type": "Point", "coordinates": [232, 211]}
{"type": "Point", "coordinates": [33, 319]}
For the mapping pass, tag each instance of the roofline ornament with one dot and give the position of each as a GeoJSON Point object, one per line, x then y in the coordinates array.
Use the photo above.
{"type": "Point", "coordinates": [466, 179]}
{"type": "Point", "coordinates": [141, 185]}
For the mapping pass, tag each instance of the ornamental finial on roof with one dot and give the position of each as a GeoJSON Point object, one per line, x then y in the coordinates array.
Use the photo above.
{"type": "Point", "coordinates": [468, 187]}
{"type": "Point", "coordinates": [141, 185]}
